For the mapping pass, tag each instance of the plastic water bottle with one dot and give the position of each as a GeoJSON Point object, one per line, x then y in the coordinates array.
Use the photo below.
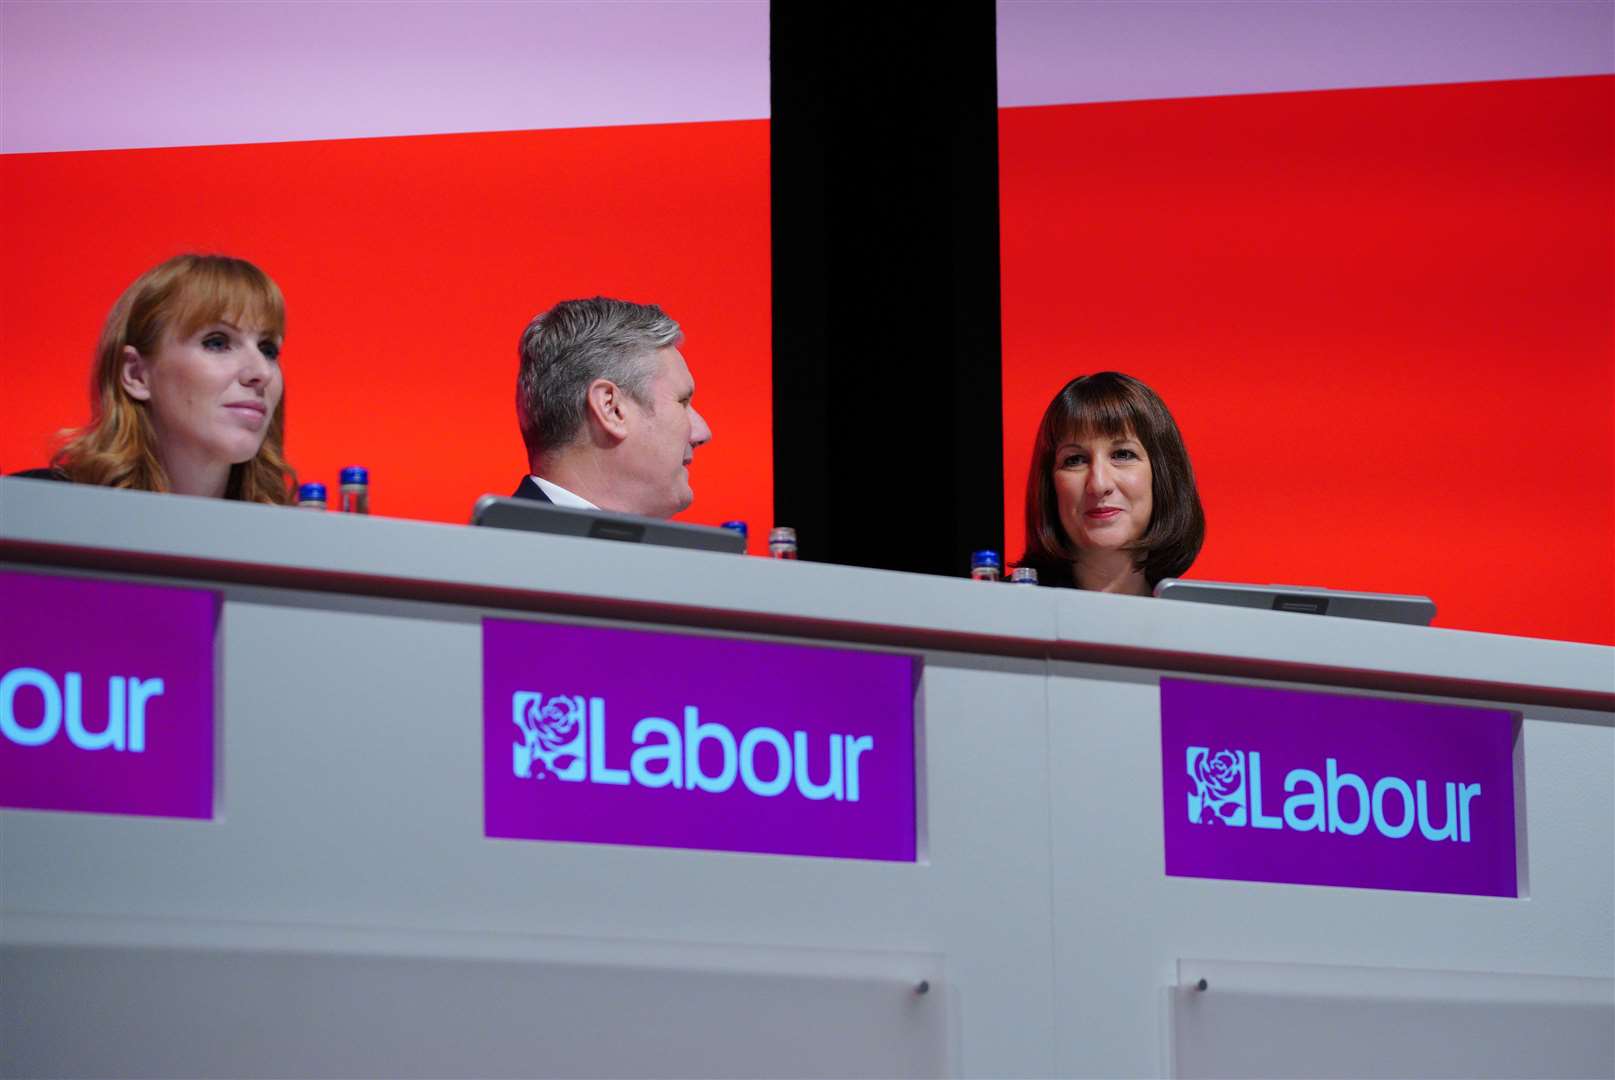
{"type": "Point", "coordinates": [782, 542]}
{"type": "Point", "coordinates": [311, 497]}
{"type": "Point", "coordinates": [736, 526]}
{"type": "Point", "coordinates": [1023, 575]}
{"type": "Point", "coordinates": [985, 566]}
{"type": "Point", "coordinates": [355, 490]}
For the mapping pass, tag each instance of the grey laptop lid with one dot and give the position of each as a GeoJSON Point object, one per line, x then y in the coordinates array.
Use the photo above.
{"type": "Point", "coordinates": [531, 515]}
{"type": "Point", "coordinates": [1306, 599]}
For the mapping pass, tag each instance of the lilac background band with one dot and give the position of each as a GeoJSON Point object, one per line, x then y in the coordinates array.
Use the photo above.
{"type": "Point", "coordinates": [740, 684]}
{"type": "Point", "coordinates": [93, 76]}
{"type": "Point", "coordinates": [100, 629]}
{"type": "Point", "coordinates": [1370, 738]}
{"type": "Point", "coordinates": [1126, 50]}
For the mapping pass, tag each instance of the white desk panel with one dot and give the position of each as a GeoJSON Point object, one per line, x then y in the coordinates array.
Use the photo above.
{"type": "Point", "coordinates": [1121, 925]}
{"type": "Point", "coordinates": [351, 801]}
{"type": "Point", "coordinates": [350, 809]}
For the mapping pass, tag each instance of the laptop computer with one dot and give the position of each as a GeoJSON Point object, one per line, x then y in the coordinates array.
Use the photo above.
{"type": "Point", "coordinates": [1305, 599]}
{"type": "Point", "coordinates": [530, 515]}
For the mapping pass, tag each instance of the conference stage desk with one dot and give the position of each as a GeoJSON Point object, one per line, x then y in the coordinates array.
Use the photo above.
{"type": "Point", "coordinates": [344, 912]}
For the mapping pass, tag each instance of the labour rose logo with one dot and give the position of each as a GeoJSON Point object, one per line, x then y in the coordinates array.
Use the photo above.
{"type": "Point", "coordinates": [1216, 786]}
{"type": "Point", "coordinates": [552, 736]}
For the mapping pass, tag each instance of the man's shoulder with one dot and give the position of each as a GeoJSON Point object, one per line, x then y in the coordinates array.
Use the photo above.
{"type": "Point", "coordinates": [528, 489]}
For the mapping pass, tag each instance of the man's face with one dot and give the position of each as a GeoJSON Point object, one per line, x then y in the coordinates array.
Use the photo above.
{"type": "Point", "coordinates": [662, 439]}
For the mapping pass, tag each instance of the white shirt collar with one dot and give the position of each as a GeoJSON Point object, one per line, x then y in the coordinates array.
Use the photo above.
{"type": "Point", "coordinates": [562, 497]}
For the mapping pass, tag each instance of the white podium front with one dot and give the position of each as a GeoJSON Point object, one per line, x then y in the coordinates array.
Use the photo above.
{"type": "Point", "coordinates": [343, 912]}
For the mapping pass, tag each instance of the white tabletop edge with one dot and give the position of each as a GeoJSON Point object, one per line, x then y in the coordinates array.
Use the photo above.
{"type": "Point", "coordinates": [823, 600]}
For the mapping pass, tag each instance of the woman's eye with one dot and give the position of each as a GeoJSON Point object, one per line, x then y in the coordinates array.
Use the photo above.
{"type": "Point", "coordinates": [270, 350]}
{"type": "Point", "coordinates": [1071, 461]}
{"type": "Point", "coordinates": [216, 342]}
{"type": "Point", "coordinates": [1128, 454]}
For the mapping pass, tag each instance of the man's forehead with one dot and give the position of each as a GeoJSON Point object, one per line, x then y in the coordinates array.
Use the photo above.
{"type": "Point", "coordinates": [673, 366]}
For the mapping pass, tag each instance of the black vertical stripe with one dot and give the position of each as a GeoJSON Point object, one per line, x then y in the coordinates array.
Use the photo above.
{"type": "Point", "coordinates": [887, 390]}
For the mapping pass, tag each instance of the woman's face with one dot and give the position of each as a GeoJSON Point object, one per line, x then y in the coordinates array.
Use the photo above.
{"type": "Point", "coordinates": [211, 393]}
{"type": "Point", "coordinates": [1103, 487]}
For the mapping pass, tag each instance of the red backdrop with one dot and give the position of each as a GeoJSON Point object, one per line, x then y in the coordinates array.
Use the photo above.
{"type": "Point", "coordinates": [1384, 319]}
{"type": "Point", "coordinates": [410, 267]}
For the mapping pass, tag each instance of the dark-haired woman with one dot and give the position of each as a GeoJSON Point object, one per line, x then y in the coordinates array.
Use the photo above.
{"type": "Point", "coordinates": [1111, 503]}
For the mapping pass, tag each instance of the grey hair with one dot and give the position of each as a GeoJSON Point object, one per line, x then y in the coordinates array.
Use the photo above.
{"type": "Point", "coordinates": [572, 344]}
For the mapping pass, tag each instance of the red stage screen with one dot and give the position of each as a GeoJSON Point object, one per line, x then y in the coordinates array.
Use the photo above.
{"type": "Point", "coordinates": [410, 266]}
{"type": "Point", "coordinates": [1384, 319]}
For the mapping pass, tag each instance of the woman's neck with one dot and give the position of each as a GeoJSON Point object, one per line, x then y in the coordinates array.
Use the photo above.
{"type": "Point", "coordinates": [206, 477]}
{"type": "Point", "coordinates": [1110, 571]}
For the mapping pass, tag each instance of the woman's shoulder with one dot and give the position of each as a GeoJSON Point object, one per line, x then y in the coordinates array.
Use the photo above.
{"type": "Point", "coordinates": [41, 474]}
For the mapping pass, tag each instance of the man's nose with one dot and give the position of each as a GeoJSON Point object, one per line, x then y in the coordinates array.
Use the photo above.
{"type": "Point", "coordinates": [699, 432]}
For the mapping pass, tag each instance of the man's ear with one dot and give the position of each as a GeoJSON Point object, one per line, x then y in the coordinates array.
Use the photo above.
{"type": "Point", "coordinates": [607, 406]}
{"type": "Point", "coordinates": [135, 374]}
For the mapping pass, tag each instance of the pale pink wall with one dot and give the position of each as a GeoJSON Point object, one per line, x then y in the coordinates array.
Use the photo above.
{"type": "Point", "coordinates": [1129, 50]}
{"type": "Point", "coordinates": [80, 76]}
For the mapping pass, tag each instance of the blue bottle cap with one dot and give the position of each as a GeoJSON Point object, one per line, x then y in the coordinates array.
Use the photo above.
{"type": "Point", "coordinates": [356, 474]}
{"type": "Point", "coordinates": [311, 493]}
{"type": "Point", "coordinates": [736, 526]}
{"type": "Point", "coordinates": [983, 558]}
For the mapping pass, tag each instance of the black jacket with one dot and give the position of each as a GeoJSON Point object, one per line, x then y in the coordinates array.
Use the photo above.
{"type": "Point", "coordinates": [42, 474]}
{"type": "Point", "coordinates": [529, 490]}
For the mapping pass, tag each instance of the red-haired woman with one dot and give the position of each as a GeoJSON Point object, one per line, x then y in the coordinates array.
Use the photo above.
{"type": "Point", "coordinates": [187, 393]}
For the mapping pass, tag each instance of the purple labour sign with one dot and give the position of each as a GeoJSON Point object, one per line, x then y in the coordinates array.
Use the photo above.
{"type": "Point", "coordinates": [675, 740]}
{"type": "Point", "coordinates": [1328, 789]}
{"type": "Point", "coordinates": [106, 696]}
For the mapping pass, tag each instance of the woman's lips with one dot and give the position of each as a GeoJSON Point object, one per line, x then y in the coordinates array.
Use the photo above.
{"type": "Point", "coordinates": [1102, 513]}
{"type": "Point", "coordinates": [251, 411]}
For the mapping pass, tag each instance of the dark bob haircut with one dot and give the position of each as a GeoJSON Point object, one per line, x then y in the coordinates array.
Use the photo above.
{"type": "Point", "coordinates": [1112, 404]}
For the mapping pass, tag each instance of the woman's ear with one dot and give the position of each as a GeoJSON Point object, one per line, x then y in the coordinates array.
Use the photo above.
{"type": "Point", "coordinates": [135, 374]}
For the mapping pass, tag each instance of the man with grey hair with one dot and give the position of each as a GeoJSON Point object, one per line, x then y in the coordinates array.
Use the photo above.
{"type": "Point", "coordinates": [603, 398]}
